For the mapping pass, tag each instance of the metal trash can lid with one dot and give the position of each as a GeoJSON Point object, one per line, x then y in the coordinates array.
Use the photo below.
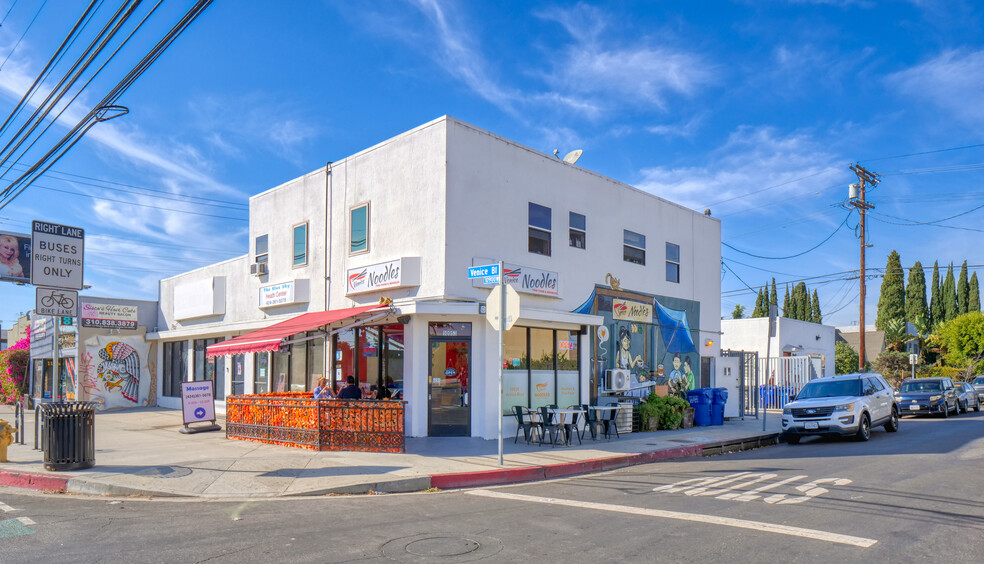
{"type": "Point", "coordinates": [67, 408]}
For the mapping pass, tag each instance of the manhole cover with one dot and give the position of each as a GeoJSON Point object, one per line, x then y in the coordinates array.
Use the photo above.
{"type": "Point", "coordinates": [442, 546]}
{"type": "Point", "coordinates": [431, 547]}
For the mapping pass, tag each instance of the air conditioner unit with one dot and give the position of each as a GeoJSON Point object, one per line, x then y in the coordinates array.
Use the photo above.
{"type": "Point", "coordinates": [618, 380]}
{"type": "Point", "coordinates": [258, 269]}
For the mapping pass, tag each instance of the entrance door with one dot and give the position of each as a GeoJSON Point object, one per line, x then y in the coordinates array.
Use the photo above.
{"type": "Point", "coordinates": [449, 378]}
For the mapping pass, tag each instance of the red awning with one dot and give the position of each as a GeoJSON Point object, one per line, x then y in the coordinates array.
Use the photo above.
{"type": "Point", "coordinates": [268, 338]}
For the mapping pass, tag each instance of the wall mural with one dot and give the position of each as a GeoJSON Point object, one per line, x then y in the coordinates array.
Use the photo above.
{"type": "Point", "coordinates": [650, 336]}
{"type": "Point", "coordinates": [114, 370]}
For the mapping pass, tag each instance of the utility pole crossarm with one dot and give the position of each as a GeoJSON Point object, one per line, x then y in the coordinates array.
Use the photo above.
{"type": "Point", "coordinates": [865, 177]}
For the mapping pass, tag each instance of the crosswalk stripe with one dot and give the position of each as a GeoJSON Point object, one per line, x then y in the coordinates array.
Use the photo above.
{"type": "Point", "coordinates": [26, 520]}
{"type": "Point", "coordinates": [6, 508]}
{"type": "Point", "coordinates": [693, 517]}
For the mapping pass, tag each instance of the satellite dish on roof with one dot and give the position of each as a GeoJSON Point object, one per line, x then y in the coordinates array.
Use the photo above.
{"type": "Point", "coordinates": [573, 156]}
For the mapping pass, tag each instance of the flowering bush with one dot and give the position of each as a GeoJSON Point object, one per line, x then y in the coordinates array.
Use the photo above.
{"type": "Point", "coordinates": [13, 371]}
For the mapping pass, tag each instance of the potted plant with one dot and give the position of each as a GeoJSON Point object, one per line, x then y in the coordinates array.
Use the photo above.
{"type": "Point", "coordinates": [649, 411]}
{"type": "Point", "coordinates": [672, 411]}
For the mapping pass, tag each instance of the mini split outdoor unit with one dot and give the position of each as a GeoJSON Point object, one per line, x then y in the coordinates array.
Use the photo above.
{"type": "Point", "coordinates": [618, 380]}
{"type": "Point", "coordinates": [258, 269]}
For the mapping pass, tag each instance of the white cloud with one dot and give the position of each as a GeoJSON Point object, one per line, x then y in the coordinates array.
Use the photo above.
{"type": "Point", "coordinates": [686, 130]}
{"type": "Point", "coordinates": [738, 175]}
{"type": "Point", "coordinates": [953, 81]}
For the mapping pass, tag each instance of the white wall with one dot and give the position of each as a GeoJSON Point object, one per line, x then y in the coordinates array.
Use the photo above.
{"type": "Point", "coordinates": [751, 335]}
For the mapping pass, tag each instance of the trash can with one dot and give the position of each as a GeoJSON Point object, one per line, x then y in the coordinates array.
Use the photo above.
{"type": "Point", "coordinates": [624, 417]}
{"type": "Point", "coordinates": [700, 400]}
{"type": "Point", "coordinates": [69, 435]}
{"type": "Point", "coordinates": [719, 398]}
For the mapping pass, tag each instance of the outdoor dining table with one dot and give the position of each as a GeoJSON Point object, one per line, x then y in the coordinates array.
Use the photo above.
{"type": "Point", "coordinates": [562, 414]}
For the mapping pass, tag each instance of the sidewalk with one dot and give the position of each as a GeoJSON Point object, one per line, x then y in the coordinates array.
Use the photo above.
{"type": "Point", "coordinates": [140, 452]}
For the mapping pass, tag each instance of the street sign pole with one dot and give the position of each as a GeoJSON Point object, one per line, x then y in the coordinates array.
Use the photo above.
{"type": "Point", "coordinates": [55, 375]}
{"type": "Point", "coordinates": [502, 331]}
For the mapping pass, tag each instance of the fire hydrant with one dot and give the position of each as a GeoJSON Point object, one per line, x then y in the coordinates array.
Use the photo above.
{"type": "Point", "coordinates": [6, 439]}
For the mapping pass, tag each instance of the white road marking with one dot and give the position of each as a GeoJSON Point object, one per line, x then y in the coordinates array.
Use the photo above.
{"type": "Point", "coordinates": [732, 495]}
{"type": "Point", "coordinates": [703, 490]}
{"type": "Point", "coordinates": [696, 482]}
{"type": "Point", "coordinates": [810, 490]}
{"type": "Point", "coordinates": [26, 520]}
{"type": "Point", "coordinates": [6, 508]}
{"type": "Point", "coordinates": [752, 495]}
{"type": "Point", "coordinates": [693, 517]}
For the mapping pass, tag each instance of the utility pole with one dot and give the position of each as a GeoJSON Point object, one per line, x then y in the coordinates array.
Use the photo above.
{"type": "Point", "coordinates": [857, 195]}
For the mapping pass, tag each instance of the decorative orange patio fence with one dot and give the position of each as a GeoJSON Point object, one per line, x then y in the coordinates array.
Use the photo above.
{"type": "Point", "coordinates": [299, 420]}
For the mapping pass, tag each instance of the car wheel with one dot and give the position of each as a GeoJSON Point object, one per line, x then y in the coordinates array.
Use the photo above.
{"type": "Point", "coordinates": [978, 407]}
{"type": "Point", "coordinates": [956, 408]}
{"type": "Point", "coordinates": [793, 439]}
{"type": "Point", "coordinates": [864, 429]}
{"type": "Point", "coordinates": [946, 411]}
{"type": "Point", "coordinates": [893, 422]}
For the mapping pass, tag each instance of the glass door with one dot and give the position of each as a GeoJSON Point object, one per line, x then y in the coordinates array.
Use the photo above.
{"type": "Point", "coordinates": [449, 410]}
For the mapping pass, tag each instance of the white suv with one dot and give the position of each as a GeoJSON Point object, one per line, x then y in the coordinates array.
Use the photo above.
{"type": "Point", "coordinates": [848, 404]}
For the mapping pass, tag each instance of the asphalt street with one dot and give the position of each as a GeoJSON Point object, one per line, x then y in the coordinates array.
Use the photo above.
{"type": "Point", "coordinates": [910, 496]}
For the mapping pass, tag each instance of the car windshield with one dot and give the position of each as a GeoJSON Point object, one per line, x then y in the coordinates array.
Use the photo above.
{"type": "Point", "coordinates": [920, 387]}
{"type": "Point", "coordinates": [830, 389]}
{"type": "Point", "coordinates": [979, 380]}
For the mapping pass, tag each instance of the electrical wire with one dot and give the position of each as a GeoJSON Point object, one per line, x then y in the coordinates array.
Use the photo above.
{"type": "Point", "coordinates": [791, 256]}
{"type": "Point", "coordinates": [28, 28]}
{"type": "Point", "coordinates": [145, 205]}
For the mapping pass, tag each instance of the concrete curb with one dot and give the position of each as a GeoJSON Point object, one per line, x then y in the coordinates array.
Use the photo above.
{"type": "Point", "coordinates": [33, 481]}
{"type": "Point", "coordinates": [449, 481]}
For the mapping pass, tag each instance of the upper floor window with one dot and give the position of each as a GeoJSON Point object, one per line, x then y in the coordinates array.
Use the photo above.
{"type": "Point", "coordinates": [672, 262]}
{"type": "Point", "coordinates": [539, 229]}
{"type": "Point", "coordinates": [261, 249]}
{"type": "Point", "coordinates": [634, 247]}
{"type": "Point", "coordinates": [300, 244]}
{"type": "Point", "coordinates": [359, 229]}
{"type": "Point", "coordinates": [577, 230]}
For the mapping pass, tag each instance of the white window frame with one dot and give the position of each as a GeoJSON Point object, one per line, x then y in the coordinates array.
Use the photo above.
{"type": "Point", "coordinates": [583, 232]}
{"type": "Point", "coordinates": [676, 262]}
{"type": "Point", "coordinates": [261, 257]}
{"type": "Point", "coordinates": [626, 245]}
{"type": "Point", "coordinates": [539, 229]}
{"type": "Point", "coordinates": [293, 246]}
{"type": "Point", "coordinates": [368, 224]}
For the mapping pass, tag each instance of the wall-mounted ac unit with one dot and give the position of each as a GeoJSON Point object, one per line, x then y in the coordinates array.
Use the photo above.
{"type": "Point", "coordinates": [258, 269]}
{"type": "Point", "coordinates": [618, 380]}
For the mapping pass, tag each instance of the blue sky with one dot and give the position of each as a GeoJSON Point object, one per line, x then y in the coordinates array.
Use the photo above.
{"type": "Point", "coordinates": [754, 109]}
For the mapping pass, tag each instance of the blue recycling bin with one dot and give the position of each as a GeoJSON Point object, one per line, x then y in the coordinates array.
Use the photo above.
{"type": "Point", "coordinates": [717, 414]}
{"type": "Point", "coordinates": [720, 396]}
{"type": "Point", "coordinates": [768, 396]}
{"type": "Point", "coordinates": [700, 400]}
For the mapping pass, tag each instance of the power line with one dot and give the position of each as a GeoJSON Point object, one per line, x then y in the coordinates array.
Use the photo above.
{"type": "Point", "coordinates": [28, 28]}
{"type": "Point", "coordinates": [924, 153]}
{"type": "Point", "coordinates": [797, 254]}
{"type": "Point", "coordinates": [145, 205]}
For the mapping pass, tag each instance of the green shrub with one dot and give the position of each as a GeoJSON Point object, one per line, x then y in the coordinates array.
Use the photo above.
{"type": "Point", "coordinates": [668, 410]}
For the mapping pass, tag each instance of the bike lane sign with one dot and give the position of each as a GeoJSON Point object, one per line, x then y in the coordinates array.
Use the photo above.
{"type": "Point", "coordinates": [57, 253]}
{"type": "Point", "coordinates": [57, 302]}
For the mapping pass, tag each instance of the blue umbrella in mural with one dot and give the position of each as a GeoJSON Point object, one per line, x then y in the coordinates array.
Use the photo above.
{"type": "Point", "coordinates": [675, 330]}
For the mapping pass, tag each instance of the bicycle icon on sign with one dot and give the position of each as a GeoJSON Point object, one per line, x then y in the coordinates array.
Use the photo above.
{"type": "Point", "coordinates": [63, 301]}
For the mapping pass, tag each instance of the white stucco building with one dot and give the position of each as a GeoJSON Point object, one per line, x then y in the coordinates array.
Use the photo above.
{"type": "Point", "coordinates": [793, 338]}
{"type": "Point", "coordinates": [609, 276]}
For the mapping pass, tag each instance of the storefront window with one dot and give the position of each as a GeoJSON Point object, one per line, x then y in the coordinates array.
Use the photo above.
{"type": "Point", "coordinates": [238, 374]}
{"type": "Point", "coordinates": [542, 379]}
{"type": "Point", "coordinates": [298, 367]}
{"type": "Point", "coordinates": [261, 375]}
{"type": "Point", "coordinates": [279, 368]}
{"type": "Point", "coordinates": [344, 357]}
{"type": "Point", "coordinates": [208, 368]}
{"type": "Point", "coordinates": [393, 361]}
{"type": "Point", "coordinates": [515, 370]}
{"type": "Point", "coordinates": [368, 372]}
{"type": "Point", "coordinates": [568, 375]}
{"type": "Point", "coordinates": [175, 367]}
{"type": "Point", "coordinates": [316, 360]}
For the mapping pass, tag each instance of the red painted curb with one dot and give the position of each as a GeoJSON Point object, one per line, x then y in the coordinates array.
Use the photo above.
{"type": "Point", "coordinates": [33, 481]}
{"type": "Point", "coordinates": [486, 478]}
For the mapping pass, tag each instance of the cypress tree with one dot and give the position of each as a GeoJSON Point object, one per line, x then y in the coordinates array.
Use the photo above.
{"type": "Point", "coordinates": [915, 295]}
{"type": "Point", "coordinates": [949, 295]}
{"type": "Point", "coordinates": [815, 315]}
{"type": "Point", "coordinates": [786, 311]}
{"type": "Point", "coordinates": [891, 300]}
{"type": "Point", "coordinates": [757, 312]}
{"type": "Point", "coordinates": [802, 300]}
{"type": "Point", "coordinates": [935, 299]}
{"type": "Point", "coordinates": [974, 298]}
{"type": "Point", "coordinates": [963, 291]}
{"type": "Point", "coordinates": [773, 296]}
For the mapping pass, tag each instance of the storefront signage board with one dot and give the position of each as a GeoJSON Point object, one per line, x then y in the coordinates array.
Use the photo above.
{"type": "Point", "coordinates": [524, 279]}
{"type": "Point", "coordinates": [197, 401]}
{"type": "Point", "coordinates": [397, 273]}
{"type": "Point", "coordinates": [109, 316]}
{"type": "Point", "coordinates": [628, 310]}
{"type": "Point", "coordinates": [57, 255]}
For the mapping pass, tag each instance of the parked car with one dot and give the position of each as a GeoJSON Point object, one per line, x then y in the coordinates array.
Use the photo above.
{"type": "Point", "coordinates": [967, 397]}
{"type": "Point", "coordinates": [922, 396]}
{"type": "Point", "coordinates": [847, 404]}
{"type": "Point", "coordinates": [978, 385]}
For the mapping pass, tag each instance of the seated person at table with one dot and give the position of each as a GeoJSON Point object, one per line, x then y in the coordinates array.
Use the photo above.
{"type": "Point", "coordinates": [351, 391]}
{"type": "Point", "coordinates": [323, 389]}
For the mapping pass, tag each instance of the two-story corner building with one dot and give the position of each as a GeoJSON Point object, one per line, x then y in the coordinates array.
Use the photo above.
{"type": "Point", "coordinates": [619, 289]}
